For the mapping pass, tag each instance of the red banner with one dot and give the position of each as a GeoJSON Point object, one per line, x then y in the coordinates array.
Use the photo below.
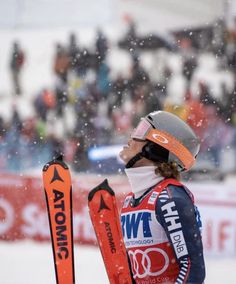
{"type": "Point", "coordinates": [23, 213]}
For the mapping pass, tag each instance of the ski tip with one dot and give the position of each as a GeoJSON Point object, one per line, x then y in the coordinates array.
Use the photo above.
{"type": "Point", "coordinates": [57, 160]}
{"type": "Point", "coordinates": [102, 186]}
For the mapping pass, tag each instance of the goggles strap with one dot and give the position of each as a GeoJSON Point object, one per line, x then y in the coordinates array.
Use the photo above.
{"type": "Point", "coordinates": [133, 160]}
{"type": "Point", "coordinates": [155, 153]}
{"type": "Point", "coordinates": [152, 152]}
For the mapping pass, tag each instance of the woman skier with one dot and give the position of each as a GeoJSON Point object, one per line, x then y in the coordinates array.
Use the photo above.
{"type": "Point", "coordinates": [160, 223]}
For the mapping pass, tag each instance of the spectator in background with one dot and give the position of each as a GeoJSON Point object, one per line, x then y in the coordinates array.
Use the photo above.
{"type": "Point", "coordinates": [61, 68]}
{"type": "Point", "coordinates": [216, 129]}
{"type": "Point", "coordinates": [43, 102]}
{"type": "Point", "coordinates": [196, 115]}
{"type": "Point", "coordinates": [227, 103]}
{"type": "Point", "coordinates": [16, 122]}
{"type": "Point", "coordinates": [138, 76]}
{"type": "Point", "coordinates": [61, 63]}
{"type": "Point", "coordinates": [205, 95]}
{"type": "Point", "coordinates": [85, 111]}
{"type": "Point", "coordinates": [83, 63]}
{"type": "Point", "coordinates": [17, 60]}
{"type": "Point", "coordinates": [118, 90]}
{"type": "Point", "coordinates": [73, 52]}
{"type": "Point", "coordinates": [144, 99]}
{"type": "Point", "coordinates": [56, 145]}
{"type": "Point", "coordinates": [3, 153]}
{"type": "Point", "coordinates": [122, 122]}
{"type": "Point", "coordinates": [2, 128]}
{"type": "Point", "coordinates": [189, 58]}
{"type": "Point", "coordinates": [27, 147]}
{"type": "Point", "coordinates": [219, 33]}
{"type": "Point", "coordinates": [231, 46]}
{"type": "Point", "coordinates": [81, 161]}
{"type": "Point", "coordinates": [12, 141]}
{"type": "Point", "coordinates": [130, 40]}
{"type": "Point", "coordinates": [61, 95]}
{"type": "Point", "coordinates": [229, 115]}
{"type": "Point", "coordinates": [103, 81]}
{"type": "Point", "coordinates": [101, 46]}
{"type": "Point", "coordinates": [208, 99]}
{"type": "Point", "coordinates": [152, 98]}
{"type": "Point", "coordinates": [131, 35]}
{"type": "Point", "coordinates": [176, 89]}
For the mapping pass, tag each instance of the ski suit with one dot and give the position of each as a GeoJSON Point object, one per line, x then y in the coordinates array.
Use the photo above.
{"type": "Point", "coordinates": [161, 231]}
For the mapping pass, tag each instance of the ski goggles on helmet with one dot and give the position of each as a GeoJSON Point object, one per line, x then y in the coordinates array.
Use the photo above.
{"type": "Point", "coordinates": [145, 131]}
{"type": "Point", "coordinates": [141, 130]}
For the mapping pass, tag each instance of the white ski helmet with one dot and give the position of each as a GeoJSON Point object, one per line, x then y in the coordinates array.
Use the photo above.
{"type": "Point", "coordinates": [168, 139]}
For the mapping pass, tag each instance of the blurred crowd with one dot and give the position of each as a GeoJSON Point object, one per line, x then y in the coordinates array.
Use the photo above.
{"type": "Point", "coordinates": [191, 74]}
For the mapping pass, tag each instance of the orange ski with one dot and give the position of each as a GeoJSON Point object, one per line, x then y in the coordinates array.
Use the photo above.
{"type": "Point", "coordinates": [58, 191]}
{"type": "Point", "coordinates": [106, 222]}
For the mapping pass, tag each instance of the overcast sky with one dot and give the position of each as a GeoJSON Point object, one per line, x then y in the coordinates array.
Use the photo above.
{"type": "Point", "coordinates": [150, 14]}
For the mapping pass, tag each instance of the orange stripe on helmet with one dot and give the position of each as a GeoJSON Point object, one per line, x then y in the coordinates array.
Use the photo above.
{"type": "Point", "coordinates": [173, 145]}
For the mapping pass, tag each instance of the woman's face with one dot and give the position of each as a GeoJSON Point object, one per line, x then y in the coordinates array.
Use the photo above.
{"type": "Point", "coordinates": [133, 147]}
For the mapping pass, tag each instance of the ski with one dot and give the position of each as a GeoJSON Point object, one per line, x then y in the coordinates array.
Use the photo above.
{"type": "Point", "coordinates": [58, 192]}
{"type": "Point", "coordinates": [105, 219]}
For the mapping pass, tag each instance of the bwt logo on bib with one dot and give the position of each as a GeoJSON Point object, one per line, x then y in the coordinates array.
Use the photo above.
{"type": "Point", "coordinates": [136, 223]}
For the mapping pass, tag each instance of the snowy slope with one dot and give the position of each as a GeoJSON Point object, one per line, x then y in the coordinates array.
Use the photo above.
{"type": "Point", "coordinates": [31, 263]}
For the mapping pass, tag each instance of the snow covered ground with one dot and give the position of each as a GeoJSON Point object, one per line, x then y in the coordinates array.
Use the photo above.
{"type": "Point", "coordinates": [32, 263]}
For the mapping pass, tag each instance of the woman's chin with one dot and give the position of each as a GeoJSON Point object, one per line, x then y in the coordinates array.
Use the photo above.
{"type": "Point", "coordinates": [123, 156]}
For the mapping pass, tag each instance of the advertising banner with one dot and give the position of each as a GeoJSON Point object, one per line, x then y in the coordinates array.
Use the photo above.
{"type": "Point", "coordinates": [23, 213]}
